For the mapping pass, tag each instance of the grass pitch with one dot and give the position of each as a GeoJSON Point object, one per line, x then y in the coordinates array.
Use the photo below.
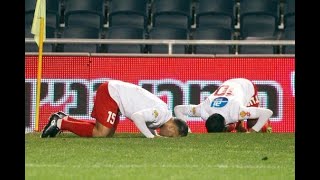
{"type": "Point", "coordinates": [131, 156]}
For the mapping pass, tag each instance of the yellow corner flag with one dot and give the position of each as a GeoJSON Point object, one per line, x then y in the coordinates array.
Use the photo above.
{"type": "Point", "coordinates": [39, 15]}
{"type": "Point", "coordinates": [39, 30]}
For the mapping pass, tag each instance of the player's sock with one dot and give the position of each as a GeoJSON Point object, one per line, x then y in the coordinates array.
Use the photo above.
{"type": "Point", "coordinates": [78, 120]}
{"type": "Point", "coordinates": [83, 129]}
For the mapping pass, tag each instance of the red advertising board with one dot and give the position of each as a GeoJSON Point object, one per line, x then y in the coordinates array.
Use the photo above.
{"type": "Point", "coordinates": [69, 83]}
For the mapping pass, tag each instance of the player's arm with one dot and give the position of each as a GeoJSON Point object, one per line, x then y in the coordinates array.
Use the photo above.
{"type": "Point", "coordinates": [183, 111]}
{"type": "Point", "coordinates": [139, 119]}
{"type": "Point", "coordinates": [262, 114]}
{"type": "Point", "coordinates": [154, 132]}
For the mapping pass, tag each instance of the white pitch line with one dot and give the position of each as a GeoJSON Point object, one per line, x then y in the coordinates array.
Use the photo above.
{"type": "Point", "coordinates": [220, 166]}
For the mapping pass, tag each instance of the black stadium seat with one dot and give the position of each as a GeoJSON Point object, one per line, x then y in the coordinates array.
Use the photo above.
{"type": "Point", "coordinates": [88, 13]}
{"type": "Point", "coordinates": [128, 13]}
{"type": "Point", "coordinates": [289, 13]}
{"type": "Point", "coordinates": [81, 33]}
{"type": "Point", "coordinates": [258, 18]}
{"type": "Point", "coordinates": [168, 33]}
{"type": "Point", "coordinates": [172, 13]}
{"type": "Point", "coordinates": [215, 13]}
{"type": "Point", "coordinates": [122, 32]}
{"type": "Point", "coordinates": [212, 34]}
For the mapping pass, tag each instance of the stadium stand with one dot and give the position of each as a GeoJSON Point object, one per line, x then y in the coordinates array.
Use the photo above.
{"type": "Point", "coordinates": [214, 34]}
{"type": "Point", "coordinates": [124, 32]}
{"type": "Point", "coordinates": [185, 19]}
{"type": "Point", "coordinates": [52, 23]}
{"type": "Point", "coordinates": [168, 33]}
{"type": "Point", "coordinates": [128, 13]}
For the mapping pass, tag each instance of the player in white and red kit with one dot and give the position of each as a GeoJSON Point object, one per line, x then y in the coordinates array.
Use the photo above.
{"type": "Point", "coordinates": [234, 101]}
{"type": "Point", "coordinates": [146, 110]}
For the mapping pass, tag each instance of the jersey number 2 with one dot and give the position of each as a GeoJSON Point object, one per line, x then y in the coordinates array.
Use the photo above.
{"type": "Point", "coordinates": [111, 117]}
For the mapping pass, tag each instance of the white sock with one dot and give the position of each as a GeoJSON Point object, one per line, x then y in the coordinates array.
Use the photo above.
{"type": "Point", "coordinates": [59, 121]}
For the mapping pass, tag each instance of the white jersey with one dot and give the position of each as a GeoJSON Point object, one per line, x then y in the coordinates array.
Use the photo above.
{"type": "Point", "coordinates": [131, 98]}
{"type": "Point", "coordinates": [232, 100]}
{"type": "Point", "coordinates": [228, 100]}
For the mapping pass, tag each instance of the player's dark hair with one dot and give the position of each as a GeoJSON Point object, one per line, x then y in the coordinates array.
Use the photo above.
{"type": "Point", "coordinates": [182, 126]}
{"type": "Point", "coordinates": [215, 123]}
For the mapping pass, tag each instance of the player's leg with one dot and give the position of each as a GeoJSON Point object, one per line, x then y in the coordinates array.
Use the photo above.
{"type": "Point", "coordinates": [105, 111]}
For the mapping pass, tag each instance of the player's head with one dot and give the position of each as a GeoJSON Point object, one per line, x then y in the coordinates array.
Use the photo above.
{"type": "Point", "coordinates": [182, 127]}
{"type": "Point", "coordinates": [215, 123]}
{"type": "Point", "coordinates": [174, 128]}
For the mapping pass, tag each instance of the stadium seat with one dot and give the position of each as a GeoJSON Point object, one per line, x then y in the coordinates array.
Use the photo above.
{"type": "Point", "coordinates": [289, 14]}
{"type": "Point", "coordinates": [88, 13]}
{"type": "Point", "coordinates": [215, 13]}
{"type": "Point", "coordinates": [168, 33]}
{"type": "Point", "coordinates": [128, 13]}
{"type": "Point", "coordinates": [29, 11]}
{"type": "Point", "coordinates": [80, 33]}
{"type": "Point", "coordinates": [33, 47]}
{"type": "Point", "coordinates": [257, 49]}
{"type": "Point", "coordinates": [258, 18]}
{"type": "Point", "coordinates": [122, 32]}
{"type": "Point", "coordinates": [212, 34]}
{"type": "Point", "coordinates": [171, 13]}
{"type": "Point", "coordinates": [289, 34]}
{"type": "Point", "coordinates": [53, 14]}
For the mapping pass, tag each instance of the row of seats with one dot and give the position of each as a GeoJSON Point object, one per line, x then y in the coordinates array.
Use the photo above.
{"type": "Point", "coordinates": [254, 14]}
{"type": "Point", "coordinates": [157, 33]}
{"type": "Point", "coordinates": [214, 19]}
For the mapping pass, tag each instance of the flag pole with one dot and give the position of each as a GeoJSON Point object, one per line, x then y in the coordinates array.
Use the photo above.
{"type": "Point", "coordinates": [39, 30]}
{"type": "Point", "coordinates": [39, 72]}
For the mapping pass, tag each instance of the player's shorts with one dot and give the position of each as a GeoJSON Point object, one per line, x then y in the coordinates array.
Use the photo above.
{"type": "Point", "coordinates": [105, 109]}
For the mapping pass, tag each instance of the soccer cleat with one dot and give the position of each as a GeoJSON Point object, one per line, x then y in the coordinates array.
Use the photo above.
{"type": "Point", "coordinates": [51, 129]}
{"type": "Point", "coordinates": [61, 114]}
{"type": "Point", "coordinates": [269, 129]}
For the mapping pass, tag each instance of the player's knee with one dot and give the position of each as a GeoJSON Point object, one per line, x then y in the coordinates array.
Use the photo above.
{"type": "Point", "coordinates": [102, 131]}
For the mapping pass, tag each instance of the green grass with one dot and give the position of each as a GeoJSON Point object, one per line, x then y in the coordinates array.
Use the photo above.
{"type": "Point", "coordinates": [131, 156]}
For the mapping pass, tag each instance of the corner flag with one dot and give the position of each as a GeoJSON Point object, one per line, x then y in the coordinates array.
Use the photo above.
{"type": "Point", "coordinates": [39, 30]}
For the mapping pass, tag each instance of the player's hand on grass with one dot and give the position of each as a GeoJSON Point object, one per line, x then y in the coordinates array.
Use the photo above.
{"type": "Point", "coordinates": [240, 128]}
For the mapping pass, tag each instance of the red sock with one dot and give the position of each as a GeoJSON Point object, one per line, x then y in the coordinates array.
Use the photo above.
{"type": "Point", "coordinates": [78, 120]}
{"type": "Point", "coordinates": [82, 129]}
